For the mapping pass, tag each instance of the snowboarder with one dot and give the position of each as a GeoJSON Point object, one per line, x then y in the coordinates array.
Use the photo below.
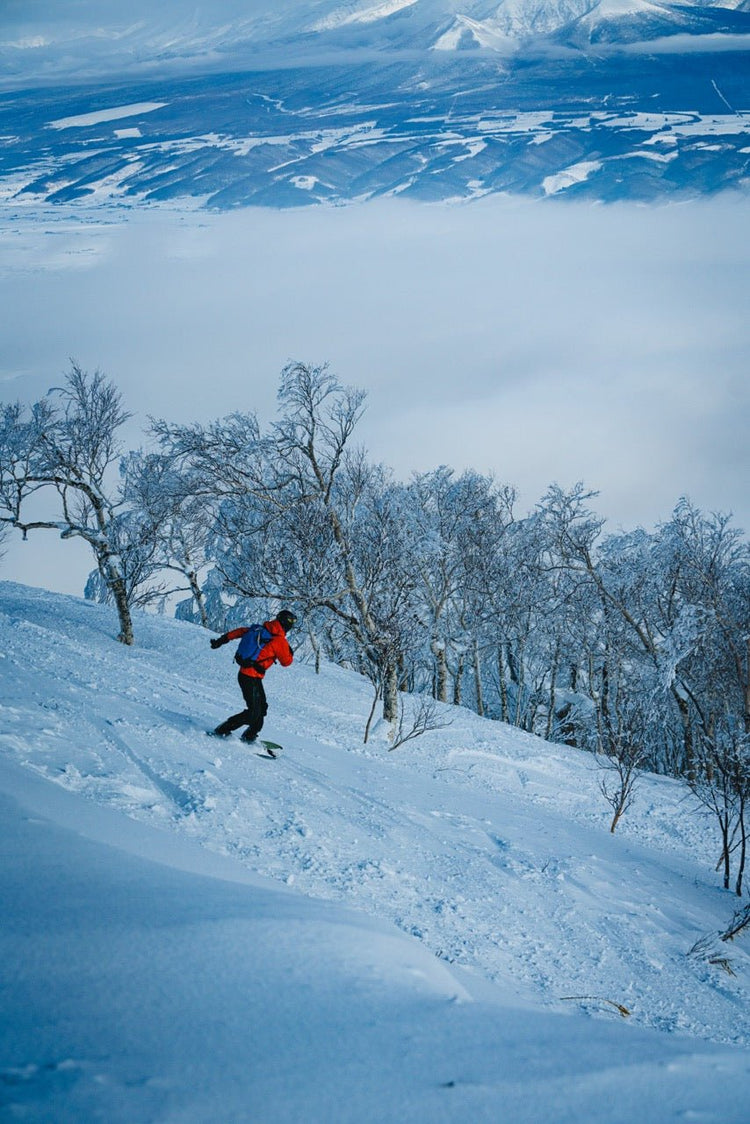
{"type": "Point", "coordinates": [265, 644]}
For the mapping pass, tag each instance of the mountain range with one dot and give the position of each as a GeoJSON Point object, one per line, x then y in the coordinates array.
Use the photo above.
{"type": "Point", "coordinates": [308, 101]}
{"type": "Point", "coordinates": [91, 30]}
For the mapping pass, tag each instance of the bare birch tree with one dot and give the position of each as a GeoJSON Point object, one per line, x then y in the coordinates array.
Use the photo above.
{"type": "Point", "coordinates": [59, 454]}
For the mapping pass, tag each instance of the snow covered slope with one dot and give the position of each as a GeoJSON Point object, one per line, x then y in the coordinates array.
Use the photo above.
{"type": "Point", "coordinates": [477, 861]}
{"type": "Point", "coordinates": [143, 980]}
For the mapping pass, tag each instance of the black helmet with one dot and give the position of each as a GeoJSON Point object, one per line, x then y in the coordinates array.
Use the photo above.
{"type": "Point", "coordinates": [286, 619]}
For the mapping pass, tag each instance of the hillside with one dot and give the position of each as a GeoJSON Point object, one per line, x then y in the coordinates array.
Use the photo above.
{"type": "Point", "coordinates": [192, 927]}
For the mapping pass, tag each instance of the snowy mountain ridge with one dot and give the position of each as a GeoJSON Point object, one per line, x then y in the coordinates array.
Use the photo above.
{"type": "Point", "coordinates": [135, 33]}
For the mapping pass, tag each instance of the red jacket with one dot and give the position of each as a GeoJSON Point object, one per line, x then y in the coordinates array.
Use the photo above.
{"type": "Point", "coordinates": [276, 649]}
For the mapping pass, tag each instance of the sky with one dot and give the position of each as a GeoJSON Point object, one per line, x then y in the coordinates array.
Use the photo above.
{"type": "Point", "coordinates": [446, 932]}
{"type": "Point", "coordinates": [540, 341]}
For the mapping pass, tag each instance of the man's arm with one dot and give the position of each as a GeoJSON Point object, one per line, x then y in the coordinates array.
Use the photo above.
{"type": "Point", "coordinates": [235, 634]}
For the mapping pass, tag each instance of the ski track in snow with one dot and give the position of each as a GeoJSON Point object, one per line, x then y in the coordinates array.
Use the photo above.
{"type": "Point", "coordinates": [488, 845]}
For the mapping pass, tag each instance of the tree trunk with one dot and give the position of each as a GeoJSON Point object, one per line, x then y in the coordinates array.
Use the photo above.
{"type": "Point", "coordinates": [743, 850]}
{"type": "Point", "coordinates": [390, 693]}
{"type": "Point", "coordinates": [371, 714]}
{"type": "Point", "coordinates": [478, 679]}
{"type": "Point", "coordinates": [458, 680]}
{"type": "Point", "coordinates": [441, 684]}
{"type": "Point", "coordinates": [123, 611]}
{"type": "Point", "coordinates": [367, 625]}
{"type": "Point", "coordinates": [316, 650]}
{"type": "Point", "coordinates": [198, 597]}
{"type": "Point", "coordinates": [604, 698]}
{"type": "Point", "coordinates": [727, 855]}
{"type": "Point", "coordinates": [111, 572]}
{"type": "Point", "coordinates": [520, 678]}
{"type": "Point", "coordinates": [616, 818]}
{"type": "Point", "coordinates": [687, 737]}
{"type": "Point", "coordinates": [552, 693]}
{"type": "Point", "coordinates": [504, 710]}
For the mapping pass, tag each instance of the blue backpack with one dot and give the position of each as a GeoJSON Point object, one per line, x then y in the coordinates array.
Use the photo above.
{"type": "Point", "coordinates": [249, 647]}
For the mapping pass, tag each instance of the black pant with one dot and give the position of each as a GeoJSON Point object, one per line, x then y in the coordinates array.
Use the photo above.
{"type": "Point", "coordinates": [256, 708]}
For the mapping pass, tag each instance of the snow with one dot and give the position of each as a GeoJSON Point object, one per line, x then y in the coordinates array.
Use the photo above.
{"type": "Point", "coordinates": [443, 932]}
{"type": "Point", "coordinates": [615, 9]}
{"type": "Point", "coordinates": [678, 124]}
{"type": "Point", "coordinates": [513, 20]}
{"type": "Point", "coordinates": [571, 176]}
{"type": "Point", "coordinates": [83, 120]}
{"type": "Point", "coordinates": [356, 14]}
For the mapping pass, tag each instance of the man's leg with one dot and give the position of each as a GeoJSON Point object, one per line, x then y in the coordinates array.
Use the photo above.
{"type": "Point", "coordinates": [232, 723]}
{"type": "Point", "coordinates": [244, 717]}
{"type": "Point", "coordinates": [257, 706]}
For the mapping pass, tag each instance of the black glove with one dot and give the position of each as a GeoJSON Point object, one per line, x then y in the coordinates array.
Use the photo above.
{"type": "Point", "coordinates": [217, 641]}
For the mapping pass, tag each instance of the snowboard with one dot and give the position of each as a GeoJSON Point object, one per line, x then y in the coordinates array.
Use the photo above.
{"type": "Point", "coordinates": [272, 749]}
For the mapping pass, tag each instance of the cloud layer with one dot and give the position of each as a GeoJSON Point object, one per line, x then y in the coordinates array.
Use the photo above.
{"type": "Point", "coordinates": [540, 342]}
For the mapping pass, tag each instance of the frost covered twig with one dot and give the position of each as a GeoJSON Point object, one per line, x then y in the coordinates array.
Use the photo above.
{"type": "Point", "coordinates": [425, 718]}
{"type": "Point", "coordinates": [740, 921]}
{"type": "Point", "coordinates": [598, 999]}
{"type": "Point", "coordinates": [705, 949]}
